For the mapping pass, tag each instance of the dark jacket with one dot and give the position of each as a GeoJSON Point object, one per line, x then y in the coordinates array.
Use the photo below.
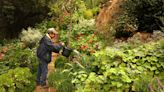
{"type": "Point", "coordinates": [45, 49]}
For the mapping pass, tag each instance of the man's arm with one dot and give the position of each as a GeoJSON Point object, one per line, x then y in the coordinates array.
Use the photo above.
{"type": "Point", "coordinates": [51, 47]}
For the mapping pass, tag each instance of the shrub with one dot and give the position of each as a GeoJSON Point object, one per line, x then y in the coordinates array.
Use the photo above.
{"type": "Point", "coordinates": [44, 25]}
{"type": "Point", "coordinates": [124, 26]}
{"type": "Point", "coordinates": [83, 37]}
{"type": "Point", "coordinates": [30, 37]}
{"type": "Point", "coordinates": [117, 68]}
{"type": "Point", "coordinates": [88, 14]}
{"type": "Point", "coordinates": [146, 12]}
{"type": "Point", "coordinates": [60, 62]}
{"type": "Point", "coordinates": [16, 15]}
{"type": "Point", "coordinates": [84, 27]}
{"type": "Point", "coordinates": [16, 80]}
{"type": "Point", "coordinates": [16, 56]}
{"type": "Point", "coordinates": [145, 83]}
{"type": "Point", "coordinates": [61, 81]}
{"type": "Point", "coordinates": [18, 68]}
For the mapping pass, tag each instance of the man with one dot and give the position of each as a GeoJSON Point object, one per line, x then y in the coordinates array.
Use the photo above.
{"type": "Point", "coordinates": [44, 52]}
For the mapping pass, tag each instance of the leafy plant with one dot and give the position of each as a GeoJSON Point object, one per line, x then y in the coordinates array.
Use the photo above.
{"type": "Point", "coordinates": [142, 83]}
{"type": "Point", "coordinates": [16, 56]}
{"type": "Point", "coordinates": [93, 3]}
{"type": "Point", "coordinates": [88, 14]}
{"type": "Point", "coordinates": [60, 62]}
{"type": "Point", "coordinates": [61, 81]}
{"type": "Point", "coordinates": [30, 37]}
{"type": "Point", "coordinates": [145, 83]}
{"type": "Point", "coordinates": [84, 27]}
{"type": "Point", "coordinates": [84, 38]}
{"type": "Point", "coordinates": [146, 12]}
{"type": "Point", "coordinates": [28, 12]}
{"type": "Point", "coordinates": [16, 79]}
{"type": "Point", "coordinates": [117, 69]}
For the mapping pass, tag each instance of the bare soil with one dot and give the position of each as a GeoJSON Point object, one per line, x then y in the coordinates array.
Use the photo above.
{"type": "Point", "coordinates": [108, 13]}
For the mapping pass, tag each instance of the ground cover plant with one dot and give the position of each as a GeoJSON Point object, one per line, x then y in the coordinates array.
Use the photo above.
{"type": "Point", "coordinates": [18, 66]}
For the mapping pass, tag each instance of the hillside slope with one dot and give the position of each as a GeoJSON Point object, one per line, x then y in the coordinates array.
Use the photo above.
{"type": "Point", "coordinates": [108, 13]}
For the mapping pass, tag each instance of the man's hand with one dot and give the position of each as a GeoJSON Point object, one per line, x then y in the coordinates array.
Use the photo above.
{"type": "Point", "coordinates": [62, 43]}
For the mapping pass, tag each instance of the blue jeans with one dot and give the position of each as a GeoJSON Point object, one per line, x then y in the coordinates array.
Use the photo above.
{"type": "Point", "coordinates": [42, 72]}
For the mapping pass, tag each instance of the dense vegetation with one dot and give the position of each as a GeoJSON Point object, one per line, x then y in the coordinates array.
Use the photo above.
{"type": "Point", "coordinates": [146, 13]}
{"type": "Point", "coordinates": [99, 62]}
{"type": "Point", "coordinates": [19, 14]}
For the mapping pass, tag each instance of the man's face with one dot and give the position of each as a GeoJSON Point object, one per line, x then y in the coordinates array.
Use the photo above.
{"type": "Point", "coordinates": [52, 35]}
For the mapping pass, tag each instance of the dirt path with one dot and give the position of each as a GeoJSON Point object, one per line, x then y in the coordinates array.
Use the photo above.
{"type": "Point", "coordinates": [50, 69]}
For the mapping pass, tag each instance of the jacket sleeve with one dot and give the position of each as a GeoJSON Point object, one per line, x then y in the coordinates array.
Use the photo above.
{"type": "Point", "coordinates": [51, 47]}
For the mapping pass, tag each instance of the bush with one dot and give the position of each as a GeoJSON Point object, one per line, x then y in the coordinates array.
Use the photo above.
{"type": "Point", "coordinates": [88, 14]}
{"type": "Point", "coordinates": [18, 68]}
{"type": "Point", "coordinates": [61, 77]}
{"type": "Point", "coordinates": [145, 83]}
{"type": "Point", "coordinates": [16, 80]}
{"type": "Point", "coordinates": [17, 14]}
{"type": "Point", "coordinates": [118, 68]}
{"type": "Point", "coordinates": [44, 25]}
{"type": "Point", "coordinates": [60, 62]}
{"type": "Point", "coordinates": [83, 37]}
{"type": "Point", "coordinates": [146, 12]}
{"type": "Point", "coordinates": [16, 56]}
{"type": "Point", "coordinates": [84, 27]}
{"type": "Point", "coordinates": [30, 37]}
{"type": "Point", "coordinates": [61, 81]}
{"type": "Point", "coordinates": [145, 37]}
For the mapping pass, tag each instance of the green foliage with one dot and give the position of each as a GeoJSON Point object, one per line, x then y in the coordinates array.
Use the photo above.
{"type": "Point", "coordinates": [16, 56]}
{"type": "Point", "coordinates": [107, 36]}
{"type": "Point", "coordinates": [72, 10]}
{"type": "Point", "coordinates": [84, 27]}
{"type": "Point", "coordinates": [18, 68]}
{"type": "Point", "coordinates": [15, 80]}
{"type": "Point", "coordinates": [145, 83]}
{"type": "Point", "coordinates": [17, 14]}
{"type": "Point", "coordinates": [62, 77]}
{"type": "Point", "coordinates": [124, 26]}
{"type": "Point", "coordinates": [82, 36]}
{"type": "Point", "coordinates": [94, 3]}
{"type": "Point", "coordinates": [61, 81]}
{"type": "Point", "coordinates": [87, 8]}
{"type": "Point", "coordinates": [60, 62]}
{"type": "Point", "coordinates": [146, 12]}
{"type": "Point", "coordinates": [55, 9]}
{"type": "Point", "coordinates": [95, 11]}
{"type": "Point", "coordinates": [30, 37]}
{"type": "Point", "coordinates": [138, 8]}
{"type": "Point", "coordinates": [117, 69]}
{"type": "Point", "coordinates": [162, 43]}
{"type": "Point", "coordinates": [61, 12]}
{"type": "Point", "coordinates": [88, 14]}
{"type": "Point", "coordinates": [142, 83]}
{"type": "Point", "coordinates": [44, 25]}
{"type": "Point", "coordinates": [63, 35]}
